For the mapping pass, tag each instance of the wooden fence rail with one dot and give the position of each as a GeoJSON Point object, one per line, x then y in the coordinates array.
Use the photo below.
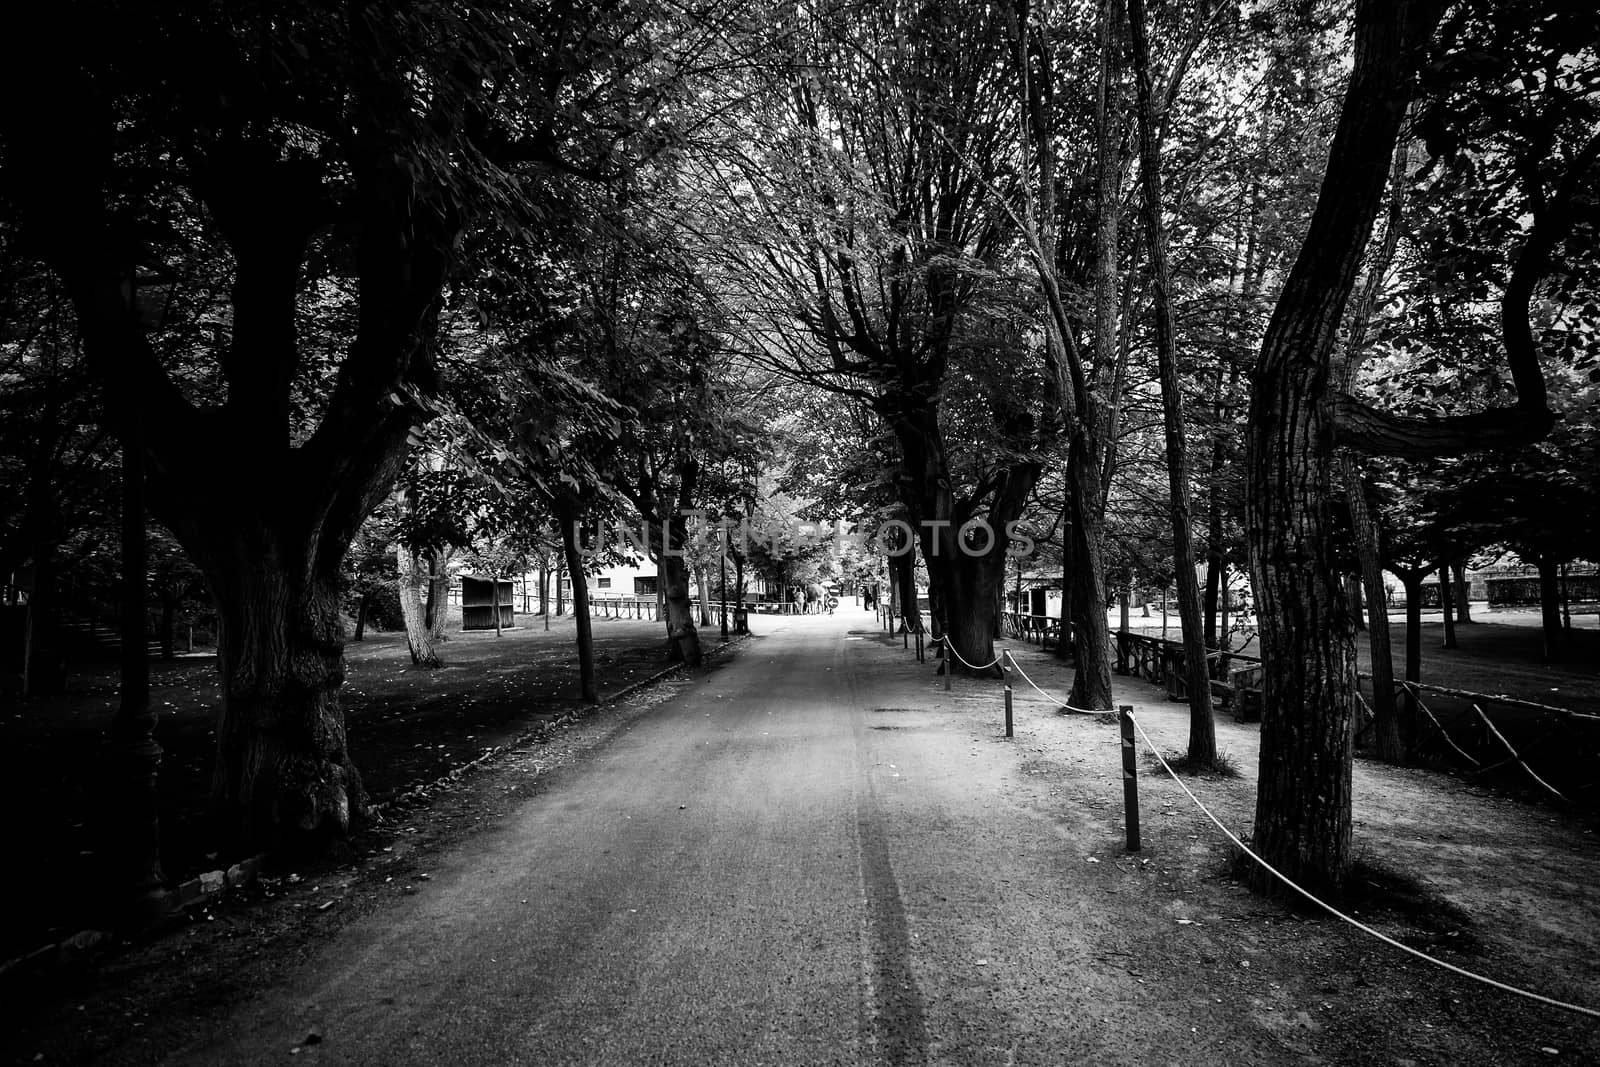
{"type": "Point", "coordinates": [1235, 677]}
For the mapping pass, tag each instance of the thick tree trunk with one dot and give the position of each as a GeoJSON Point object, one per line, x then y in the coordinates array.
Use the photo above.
{"type": "Point", "coordinates": [1202, 727]}
{"type": "Point", "coordinates": [975, 570]}
{"type": "Point", "coordinates": [1463, 595]}
{"type": "Point", "coordinates": [676, 604]}
{"type": "Point", "coordinates": [567, 515]}
{"type": "Point", "coordinates": [411, 581]}
{"type": "Point", "coordinates": [685, 639]}
{"type": "Point", "coordinates": [284, 780]}
{"type": "Point", "coordinates": [438, 611]}
{"type": "Point", "coordinates": [1550, 609]}
{"type": "Point", "coordinates": [1303, 822]}
{"type": "Point", "coordinates": [1352, 589]}
{"type": "Point", "coordinates": [1091, 633]}
{"type": "Point", "coordinates": [976, 584]}
{"type": "Point", "coordinates": [904, 570]}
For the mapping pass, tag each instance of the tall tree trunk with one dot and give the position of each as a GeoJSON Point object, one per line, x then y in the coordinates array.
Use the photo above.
{"type": "Point", "coordinates": [1087, 449]}
{"type": "Point", "coordinates": [1463, 595]}
{"type": "Point", "coordinates": [1387, 738]}
{"type": "Point", "coordinates": [1091, 633]}
{"type": "Point", "coordinates": [1210, 606]}
{"type": "Point", "coordinates": [362, 603]}
{"type": "Point", "coordinates": [1566, 605]}
{"type": "Point", "coordinates": [1447, 606]}
{"type": "Point", "coordinates": [1411, 581]}
{"type": "Point", "coordinates": [1063, 648]}
{"type": "Point", "coordinates": [1202, 727]}
{"type": "Point", "coordinates": [561, 590]}
{"type": "Point", "coordinates": [410, 583]}
{"type": "Point", "coordinates": [674, 567]}
{"type": "Point", "coordinates": [567, 517]}
{"type": "Point", "coordinates": [136, 757]}
{"type": "Point", "coordinates": [1303, 821]}
{"type": "Point", "coordinates": [681, 632]}
{"type": "Point", "coordinates": [1550, 608]}
{"type": "Point", "coordinates": [903, 569]}
{"type": "Point", "coordinates": [702, 583]}
{"type": "Point", "coordinates": [1386, 722]}
{"type": "Point", "coordinates": [1224, 606]}
{"type": "Point", "coordinates": [43, 667]}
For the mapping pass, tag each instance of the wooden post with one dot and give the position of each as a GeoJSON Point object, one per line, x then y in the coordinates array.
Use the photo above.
{"type": "Point", "coordinates": [1130, 777]}
{"type": "Point", "coordinates": [946, 659]}
{"type": "Point", "coordinates": [1005, 667]}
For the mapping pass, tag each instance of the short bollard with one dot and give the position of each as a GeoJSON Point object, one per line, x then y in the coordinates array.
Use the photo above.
{"type": "Point", "coordinates": [1130, 777]}
{"type": "Point", "coordinates": [945, 652]}
{"type": "Point", "coordinates": [1008, 709]}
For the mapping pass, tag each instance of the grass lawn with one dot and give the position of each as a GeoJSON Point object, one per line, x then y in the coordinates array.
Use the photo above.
{"type": "Point", "coordinates": [406, 727]}
{"type": "Point", "coordinates": [1500, 653]}
{"type": "Point", "coordinates": [1503, 654]}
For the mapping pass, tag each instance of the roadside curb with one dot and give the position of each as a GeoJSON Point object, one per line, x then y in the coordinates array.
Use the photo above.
{"type": "Point", "coordinates": [78, 949]}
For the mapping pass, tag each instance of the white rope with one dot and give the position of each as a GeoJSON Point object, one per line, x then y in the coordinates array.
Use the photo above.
{"type": "Point", "coordinates": [948, 647]}
{"type": "Point", "coordinates": [1054, 700]}
{"type": "Point", "coordinates": [1336, 913]}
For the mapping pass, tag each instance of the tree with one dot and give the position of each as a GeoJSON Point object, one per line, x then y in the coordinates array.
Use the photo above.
{"type": "Point", "coordinates": [303, 144]}
{"type": "Point", "coordinates": [886, 284]}
{"type": "Point", "coordinates": [1297, 419]}
{"type": "Point", "coordinates": [1202, 728]}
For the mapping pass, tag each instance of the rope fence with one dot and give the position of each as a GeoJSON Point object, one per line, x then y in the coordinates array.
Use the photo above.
{"type": "Point", "coordinates": [1335, 912]}
{"type": "Point", "coordinates": [1014, 665]}
{"type": "Point", "coordinates": [1472, 733]}
{"type": "Point", "coordinates": [1129, 724]}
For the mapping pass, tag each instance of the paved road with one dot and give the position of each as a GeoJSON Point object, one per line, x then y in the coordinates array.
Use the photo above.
{"type": "Point", "coordinates": [794, 861]}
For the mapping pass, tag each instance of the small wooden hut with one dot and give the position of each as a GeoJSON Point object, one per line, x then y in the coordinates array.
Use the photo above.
{"type": "Point", "coordinates": [478, 603]}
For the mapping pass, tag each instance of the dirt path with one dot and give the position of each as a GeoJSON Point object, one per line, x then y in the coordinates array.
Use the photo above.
{"type": "Point", "coordinates": [815, 855]}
